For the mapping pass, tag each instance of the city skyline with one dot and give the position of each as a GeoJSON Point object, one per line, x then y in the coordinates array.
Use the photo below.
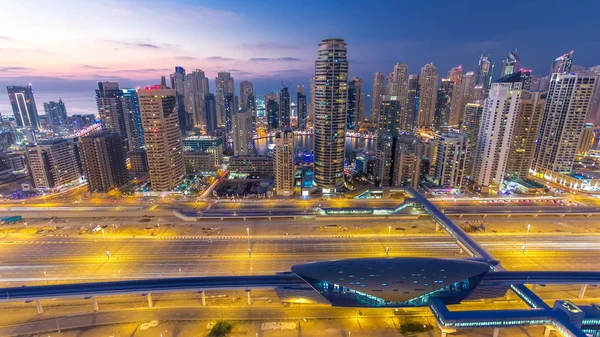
{"type": "Point", "coordinates": [75, 59]}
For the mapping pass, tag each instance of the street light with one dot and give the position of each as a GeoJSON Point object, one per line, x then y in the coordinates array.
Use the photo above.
{"type": "Point", "coordinates": [46, 276]}
{"type": "Point", "coordinates": [387, 248]}
{"type": "Point", "coordinates": [526, 235]}
{"type": "Point", "coordinates": [105, 244]}
{"type": "Point", "coordinates": [248, 236]}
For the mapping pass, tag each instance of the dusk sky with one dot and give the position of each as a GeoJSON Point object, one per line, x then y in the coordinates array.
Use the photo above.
{"type": "Point", "coordinates": [63, 47]}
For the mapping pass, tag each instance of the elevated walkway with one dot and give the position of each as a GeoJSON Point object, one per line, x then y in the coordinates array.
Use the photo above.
{"type": "Point", "coordinates": [150, 286]}
{"type": "Point", "coordinates": [452, 321]}
{"type": "Point", "coordinates": [453, 229]}
{"type": "Point", "coordinates": [544, 277]}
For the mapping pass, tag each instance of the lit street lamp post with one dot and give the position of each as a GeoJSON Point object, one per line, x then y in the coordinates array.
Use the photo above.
{"type": "Point", "coordinates": [105, 244]}
{"type": "Point", "coordinates": [46, 276]}
{"type": "Point", "coordinates": [526, 235]}
{"type": "Point", "coordinates": [387, 248]}
{"type": "Point", "coordinates": [248, 236]}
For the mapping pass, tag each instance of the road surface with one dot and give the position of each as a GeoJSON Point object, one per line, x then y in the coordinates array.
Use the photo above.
{"type": "Point", "coordinates": [51, 260]}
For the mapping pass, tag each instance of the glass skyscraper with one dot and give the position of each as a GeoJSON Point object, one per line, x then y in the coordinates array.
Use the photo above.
{"type": "Point", "coordinates": [331, 98]}
{"type": "Point", "coordinates": [23, 106]}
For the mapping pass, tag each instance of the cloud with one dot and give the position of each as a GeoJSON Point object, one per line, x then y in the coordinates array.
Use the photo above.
{"type": "Point", "coordinates": [283, 73]}
{"type": "Point", "coordinates": [108, 77]}
{"type": "Point", "coordinates": [88, 66]}
{"type": "Point", "coordinates": [143, 45]}
{"type": "Point", "coordinates": [5, 38]}
{"type": "Point", "coordinates": [145, 70]}
{"type": "Point", "coordinates": [148, 45]}
{"type": "Point", "coordinates": [239, 72]}
{"type": "Point", "coordinates": [267, 45]}
{"type": "Point", "coordinates": [291, 71]}
{"type": "Point", "coordinates": [274, 59]}
{"type": "Point", "coordinates": [185, 58]}
{"type": "Point", "coordinates": [7, 69]}
{"type": "Point", "coordinates": [219, 58]}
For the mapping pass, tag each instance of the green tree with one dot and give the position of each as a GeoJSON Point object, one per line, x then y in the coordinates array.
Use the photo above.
{"type": "Point", "coordinates": [220, 329]}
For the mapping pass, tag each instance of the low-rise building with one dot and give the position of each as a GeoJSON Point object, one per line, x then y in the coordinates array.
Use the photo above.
{"type": "Point", "coordinates": [205, 144]}
{"type": "Point", "coordinates": [196, 162]}
{"type": "Point", "coordinates": [256, 166]}
{"type": "Point", "coordinates": [138, 161]}
{"type": "Point", "coordinates": [54, 163]}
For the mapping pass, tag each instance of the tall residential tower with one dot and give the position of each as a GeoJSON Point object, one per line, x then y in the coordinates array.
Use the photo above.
{"type": "Point", "coordinates": [377, 91]}
{"type": "Point", "coordinates": [162, 135]}
{"type": "Point", "coordinates": [428, 81]}
{"type": "Point", "coordinates": [285, 171]}
{"type": "Point", "coordinates": [567, 105]}
{"type": "Point", "coordinates": [331, 95]}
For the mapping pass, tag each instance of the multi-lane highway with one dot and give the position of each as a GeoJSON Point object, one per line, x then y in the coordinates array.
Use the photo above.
{"type": "Point", "coordinates": [53, 260]}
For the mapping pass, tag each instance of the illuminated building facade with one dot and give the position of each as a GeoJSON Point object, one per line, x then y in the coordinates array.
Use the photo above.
{"type": "Point", "coordinates": [162, 135]}
{"type": "Point", "coordinates": [331, 98]}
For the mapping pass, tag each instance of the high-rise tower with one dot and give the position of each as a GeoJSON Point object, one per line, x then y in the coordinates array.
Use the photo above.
{"type": "Point", "coordinates": [133, 119]}
{"type": "Point", "coordinates": [23, 106]}
{"type": "Point", "coordinates": [525, 132]}
{"type": "Point", "coordinates": [210, 112]}
{"type": "Point", "coordinates": [562, 64]}
{"type": "Point", "coordinates": [511, 65]}
{"type": "Point", "coordinates": [331, 95]}
{"type": "Point", "coordinates": [177, 83]}
{"type": "Point", "coordinates": [302, 108]}
{"type": "Point", "coordinates": [110, 108]}
{"type": "Point", "coordinates": [443, 100]}
{"type": "Point", "coordinates": [229, 109]}
{"type": "Point", "coordinates": [272, 111]}
{"type": "Point", "coordinates": [495, 132]}
{"type": "Point", "coordinates": [56, 112]}
{"type": "Point", "coordinates": [456, 96]}
{"type": "Point", "coordinates": [567, 105]}
{"type": "Point", "coordinates": [223, 85]}
{"type": "Point", "coordinates": [311, 111]}
{"type": "Point", "coordinates": [247, 99]}
{"type": "Point", "coordinates": [353, 106]}
{"type": "Point", "coordinates": [54, 163]}
{"type": "Point", "coordinates": [377, 91]}
{"type": "Point", "coordinates": [407, 160]}
{"type": "Point", "coordinates": [485, 71]}
{"type": "Point", "coordinates": [242, 133]}
{"type": "Point", "coordinates": [360, 96]}
{"type": "Point", "coordinates": [103, 161]}
{"type": "Point", "coordinates": [412, 108]}
{"type": "Point", "coordinates": [473, 112]}
{"type": "Point", "coordinates": [285, 171]}
{"type": "Point", "coordinates": [389, 115]}
{"type": "Point", "coordinates": [450, 160]}
{"type": "Point", "coordinates": [468, 85]}
{"type": "Point", "coordinates": [196, 86]}
{"type": "Point", "coordinates": [428, 81]}
{"type": "Point", "coordinates": [162, 135]}
{"type": "Point", "coordinates": [400, 88]}
{"type": "Point", "coordinates": [284, 108]}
